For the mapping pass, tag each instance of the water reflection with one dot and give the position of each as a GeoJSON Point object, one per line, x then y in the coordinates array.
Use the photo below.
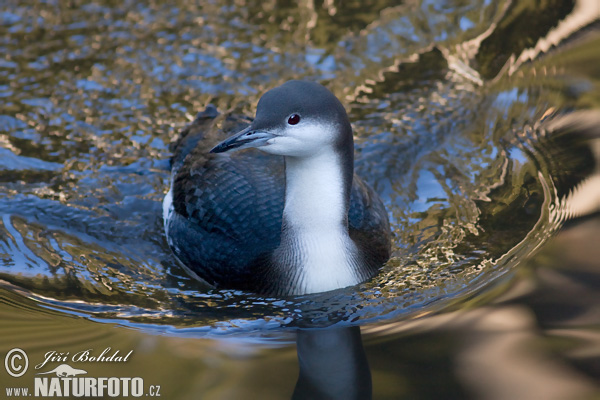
{"type": "Point", "coordinates": [474, 121]}
{"type": "Point", "coordinates": [333, 365]}
{"type": "Point", "coordinates": [449, 179]}
{"type": "Point", "coordinates": [460, 167]}
{"type": "Point", "coordinates": [529, 337]}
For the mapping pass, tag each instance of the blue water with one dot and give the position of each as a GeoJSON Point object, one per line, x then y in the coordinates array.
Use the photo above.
{"type": "Point", "coordinates": [93, 95]}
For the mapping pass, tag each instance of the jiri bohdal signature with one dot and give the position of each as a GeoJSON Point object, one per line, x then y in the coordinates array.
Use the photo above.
{"type": "Point", "coordinates": [107, 355]}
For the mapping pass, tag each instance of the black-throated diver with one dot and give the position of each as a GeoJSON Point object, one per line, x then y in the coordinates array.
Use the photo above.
{"type": "Point", "coordinates": [297, 224]}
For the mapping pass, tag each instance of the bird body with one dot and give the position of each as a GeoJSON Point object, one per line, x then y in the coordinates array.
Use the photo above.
{"type": "Point", "coordinates": [293, 221]}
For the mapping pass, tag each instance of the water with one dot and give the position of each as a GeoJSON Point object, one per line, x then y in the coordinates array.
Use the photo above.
{"type": "Point", "coordinates": [454, 107]}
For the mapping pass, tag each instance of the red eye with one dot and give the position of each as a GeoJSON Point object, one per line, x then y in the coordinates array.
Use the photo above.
{"type": "Point", "coordinates": [293, 119]}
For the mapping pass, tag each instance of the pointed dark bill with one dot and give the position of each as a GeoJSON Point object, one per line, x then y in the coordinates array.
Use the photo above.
{"type": "Point", "coordinates": [247, 138]}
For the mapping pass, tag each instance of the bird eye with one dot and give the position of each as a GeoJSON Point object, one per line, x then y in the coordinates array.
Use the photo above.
{"type": "Point", "coordinates": [293, 119]}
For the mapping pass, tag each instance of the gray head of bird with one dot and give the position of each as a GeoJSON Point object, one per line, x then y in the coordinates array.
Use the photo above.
{"type": "Point", "coordinates": [297, 119]}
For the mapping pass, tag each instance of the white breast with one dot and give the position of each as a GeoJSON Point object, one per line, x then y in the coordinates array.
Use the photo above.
{"type": "Point", "coordinates": [327, 262]}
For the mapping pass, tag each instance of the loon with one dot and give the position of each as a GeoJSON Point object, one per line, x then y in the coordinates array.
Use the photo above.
{"type": "Point", "coordinates": [294, 221]}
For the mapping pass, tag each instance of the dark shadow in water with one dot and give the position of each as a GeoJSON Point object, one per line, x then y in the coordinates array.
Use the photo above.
{"type": "Point", "coordinates": [333, 365]}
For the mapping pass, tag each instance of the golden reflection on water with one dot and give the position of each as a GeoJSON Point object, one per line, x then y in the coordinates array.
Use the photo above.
{"type": "Point", "coordinates": [514, 340]}
{"type": "Point", "coordinates": [184, 368]}
{"type": "Point", "coordinates": [468, 98]}
{"type": "Point", "coordinates": [534, 336]}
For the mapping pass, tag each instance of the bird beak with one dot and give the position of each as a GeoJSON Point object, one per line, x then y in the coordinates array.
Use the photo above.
{"type": "Point", "coordinates": [247, 138]}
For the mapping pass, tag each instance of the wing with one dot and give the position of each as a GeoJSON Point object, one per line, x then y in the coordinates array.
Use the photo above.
{"type": "Point", "coordinates": [369, 225]}
{"type": "Point", "coordinates": [228, 207]}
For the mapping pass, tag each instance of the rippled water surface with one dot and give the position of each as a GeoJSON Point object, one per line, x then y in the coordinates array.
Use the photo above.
{"type": "Point", "coordinates": [453, 104]}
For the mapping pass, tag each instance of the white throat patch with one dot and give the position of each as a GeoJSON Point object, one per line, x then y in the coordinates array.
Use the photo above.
{"type": "Point", "coordinates": [315, 216]}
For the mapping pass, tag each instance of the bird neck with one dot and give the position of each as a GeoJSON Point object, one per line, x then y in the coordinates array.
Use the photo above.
{"type": "Point", "coordinates": [317, 192]}
{"type": "Point", "coordinates": [316, 253]}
